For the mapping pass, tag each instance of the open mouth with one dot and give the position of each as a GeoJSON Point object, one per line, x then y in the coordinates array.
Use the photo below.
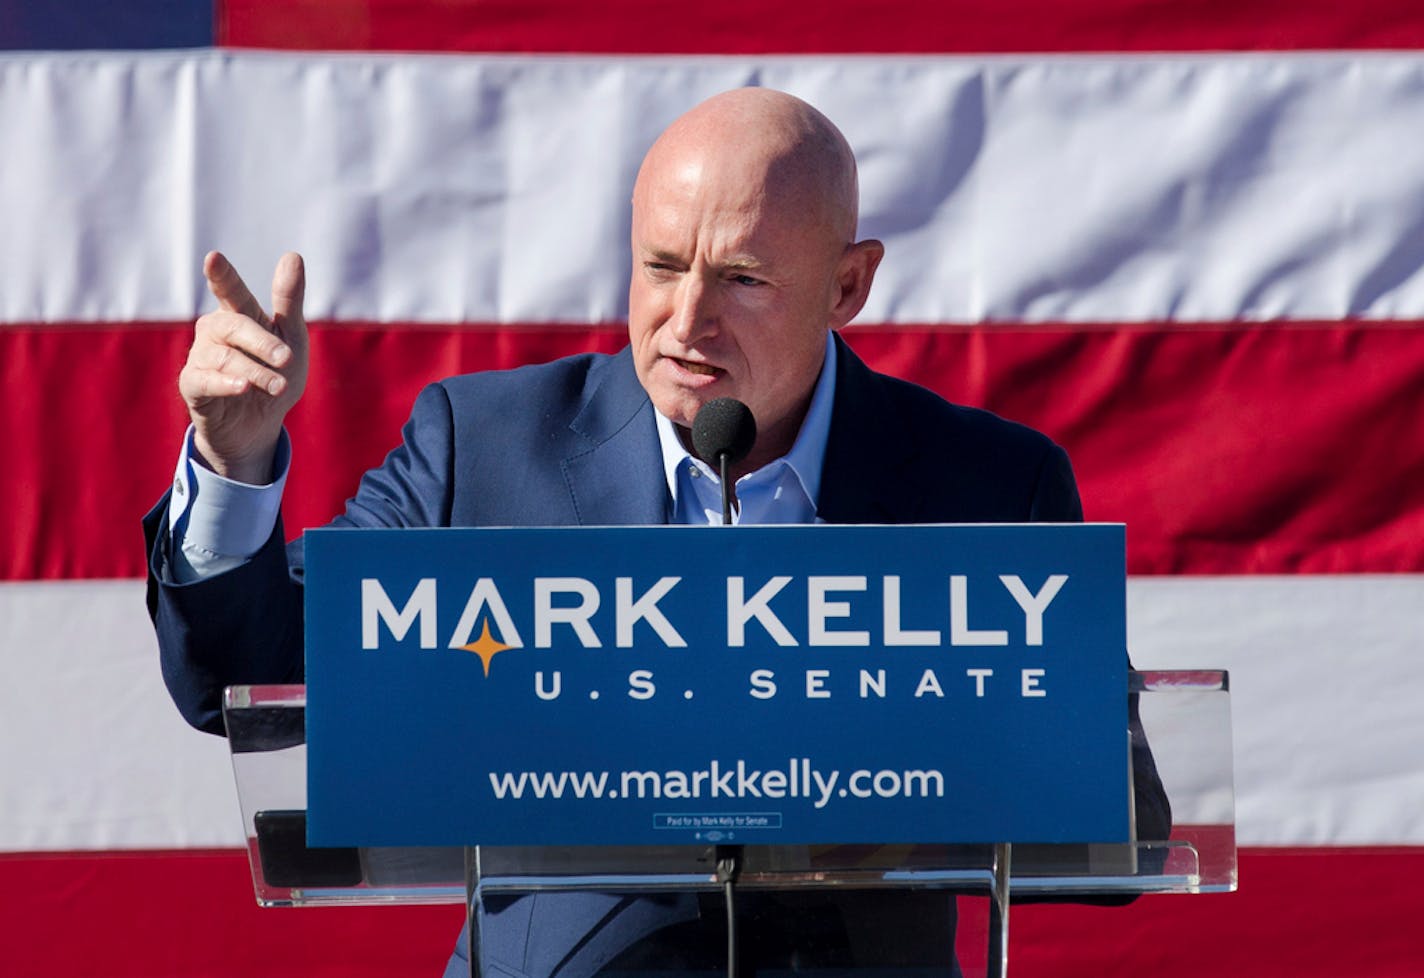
{"type": "Point", "coordinates": [701, 369]}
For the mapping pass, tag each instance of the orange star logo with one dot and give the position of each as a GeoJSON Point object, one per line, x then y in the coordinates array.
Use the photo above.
{"type": "Point", "coordinates": [486, 647]}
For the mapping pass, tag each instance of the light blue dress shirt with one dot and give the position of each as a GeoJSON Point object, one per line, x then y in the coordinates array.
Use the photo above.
{"type": "Point", "coordinates": [785, 490]}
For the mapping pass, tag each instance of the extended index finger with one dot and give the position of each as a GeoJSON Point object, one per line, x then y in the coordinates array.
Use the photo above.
{"type": "Point", "coordinates": [229, 289]}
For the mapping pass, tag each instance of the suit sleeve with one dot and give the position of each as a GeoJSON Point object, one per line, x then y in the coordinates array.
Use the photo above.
{"type": "Point", "coordinates": [1056, 500]}
{"type": "Point", "coordinates": [239, 627]}
{"type": "Point", "coordinates": [244, 626]}
{"type": "Point", "coordinates": [1055, 497]}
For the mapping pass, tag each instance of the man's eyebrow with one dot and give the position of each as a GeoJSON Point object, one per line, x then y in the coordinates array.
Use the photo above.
{"type": "Point", "coordinates": [739, 262]}
{"type": "Point", "coordinates": [744, 262]}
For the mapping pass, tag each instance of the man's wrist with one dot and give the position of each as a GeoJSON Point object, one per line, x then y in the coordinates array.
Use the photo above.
{"type": "Point", "coordinates": [219, 521]}
{"type": "Point", "coordinates": [259, 468]}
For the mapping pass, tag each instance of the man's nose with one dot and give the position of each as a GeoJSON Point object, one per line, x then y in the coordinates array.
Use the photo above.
{"type": "Point", "coordinates": [694, 314]}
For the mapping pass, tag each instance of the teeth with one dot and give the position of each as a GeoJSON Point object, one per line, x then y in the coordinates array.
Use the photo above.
{"type": "Point", "coordinates": [699, 368]}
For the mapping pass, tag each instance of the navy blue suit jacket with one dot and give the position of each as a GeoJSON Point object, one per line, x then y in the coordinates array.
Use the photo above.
{"type": "Point", "coordinates": [568, 443]}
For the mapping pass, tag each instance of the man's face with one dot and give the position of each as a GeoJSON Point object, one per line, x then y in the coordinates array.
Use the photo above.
{"type": "Point", "coordinates": [731, 296]}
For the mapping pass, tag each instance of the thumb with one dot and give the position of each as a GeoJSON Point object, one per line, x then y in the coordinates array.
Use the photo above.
{"type": "Point", "coordinates": [289, 287]}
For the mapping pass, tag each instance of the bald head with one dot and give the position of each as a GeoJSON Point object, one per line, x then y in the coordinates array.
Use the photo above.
{"type": "Point", "coordinates": [744, 255]}
{"type": "Point", "coordinates": [769, 140]}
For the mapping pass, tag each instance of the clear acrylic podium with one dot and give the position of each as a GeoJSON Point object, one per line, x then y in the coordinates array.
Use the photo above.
{"type": "Point", "coordinates": [1185, 714]}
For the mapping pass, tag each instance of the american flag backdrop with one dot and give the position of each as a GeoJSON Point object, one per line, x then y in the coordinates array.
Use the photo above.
{"type": "Point", "coordinates": [1185, 240]}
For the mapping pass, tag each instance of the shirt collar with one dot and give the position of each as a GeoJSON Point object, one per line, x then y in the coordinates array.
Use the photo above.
{"type": "Point", "coordinates": [808, 452]}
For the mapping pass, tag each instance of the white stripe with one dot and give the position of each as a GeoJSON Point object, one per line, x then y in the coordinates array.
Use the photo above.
{"type": "Point", "coordinates": [95, 756]}
{"type": "Point", "coordinates": [495, 189]}
{"type": "Point", "coordinates": [1326, 677]}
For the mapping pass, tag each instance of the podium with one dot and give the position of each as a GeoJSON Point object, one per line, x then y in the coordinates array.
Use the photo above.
{"type": "Point", "coordinates": [1185, 714]}
{"type": "Point", "coordinates": [762, 717]}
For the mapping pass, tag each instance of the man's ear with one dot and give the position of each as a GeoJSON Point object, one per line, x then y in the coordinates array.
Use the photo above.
{"type": "Point", "coordinates": [854, 273]}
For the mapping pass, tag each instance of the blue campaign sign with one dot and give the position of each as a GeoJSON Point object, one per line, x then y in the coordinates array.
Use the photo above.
{"type": "Point", "coordinates": [760, 685]}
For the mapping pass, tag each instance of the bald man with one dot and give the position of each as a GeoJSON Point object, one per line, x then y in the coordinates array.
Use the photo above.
{"type": "Point", "coordinates": [744, 256]}
{"type": "Point", "coordinates": [745, 264]}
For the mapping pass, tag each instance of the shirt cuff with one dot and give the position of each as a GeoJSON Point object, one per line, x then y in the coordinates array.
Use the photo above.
{"type": "Point", "coordinates": [217, 523]}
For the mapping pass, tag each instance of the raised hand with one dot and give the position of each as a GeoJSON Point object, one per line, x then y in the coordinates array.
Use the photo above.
{"type": "Point", "coordinates": [245, 369]}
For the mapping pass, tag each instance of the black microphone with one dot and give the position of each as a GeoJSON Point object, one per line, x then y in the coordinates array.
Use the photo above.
{"type": "Point", "coordinates": [723, 433]}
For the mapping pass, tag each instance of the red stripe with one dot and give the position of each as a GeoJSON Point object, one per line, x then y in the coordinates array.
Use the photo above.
{"type": "Point", "coordinates": [1298, 912]}
{"type": "Point", "coordinates": [836, 26]}
{"type": "Point", "coordinates": [183, 914]}
{"type": "Point", "coordinates": [178, 914]}
{"type": "Point", "coordinates": [1226, 450]}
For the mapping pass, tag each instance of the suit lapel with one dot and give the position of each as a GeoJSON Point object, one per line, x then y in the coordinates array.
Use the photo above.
{"type": "Point", "coordinates": [869, 450]}
{"type": "Point", "coordinates": [615, 475]}
{"type": "Point", "coordinates": [615, 472]}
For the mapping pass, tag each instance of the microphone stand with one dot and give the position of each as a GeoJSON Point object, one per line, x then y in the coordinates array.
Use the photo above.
{"type": "Point", "coordinates": [724, 463]}
{"type": "Point", "coordinates": [725, 430]}
{"type": "Point", "coordinates": [729, 858]}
